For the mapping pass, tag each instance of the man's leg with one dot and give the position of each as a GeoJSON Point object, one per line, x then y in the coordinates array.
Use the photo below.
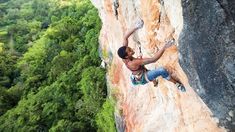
{"type": "Point", "coordinates": [177, 82]}
{"type": "Point", "coordinates": [153, 74]}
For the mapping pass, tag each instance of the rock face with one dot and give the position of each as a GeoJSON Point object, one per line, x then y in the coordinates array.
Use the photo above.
{"type": "Point", "coordinates": [207, 48]}
{"type": "Point", "coordinates": [204, 34]}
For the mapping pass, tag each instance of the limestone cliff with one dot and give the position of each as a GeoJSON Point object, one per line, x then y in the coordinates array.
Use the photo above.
{"type": "Point", "coordinates": [204, 33]}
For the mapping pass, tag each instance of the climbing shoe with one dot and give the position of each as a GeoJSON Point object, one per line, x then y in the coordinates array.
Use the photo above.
{"type": "Point", "coordinates": [180, 87]}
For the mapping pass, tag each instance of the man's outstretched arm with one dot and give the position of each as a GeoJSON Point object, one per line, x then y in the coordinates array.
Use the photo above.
{"type": "Point", "coordinates": [157, 56]}
{"type": "Point", "coordinates": [154, 58]}
{"type": "Point", "coordinates": [127, 35]}
{"type": "Point", "coordinates": [139, 24]}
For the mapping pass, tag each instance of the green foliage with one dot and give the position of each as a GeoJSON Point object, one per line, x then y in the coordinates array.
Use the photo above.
{"type": "Point", "coordinates": [32, 65]}
{"type": "Point", "coordinates": [66, 125]}
{"type": "Point", "coordinates": [93, 88]}
{"type": "Point", "coordinates": [1, 47]}
{"type": "Point", "coordinates": [4, 101]}
{"type": "Point", "coordinates": [56, 102]}
{"type": "Point", "coordinates": [61, 86]}
{"type": "Point", "coordinates": [9, 98]}
{"type": "Point", "coordinates": [90, 83]}
{"type": "Point", "coordinates": [18, 32]}
{"type": "Point", "coordinates": [8, 70]}
{"type": "Point", "coordinates": [105, 118]}
{"type": "Point", "coordinates": [61, 63]}
{"type": "Point", "coordinates": [8, 73]}
{"type": "Point", "coordinates": [3, 35]}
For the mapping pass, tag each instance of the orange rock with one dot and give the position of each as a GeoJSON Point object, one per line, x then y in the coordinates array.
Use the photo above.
{"type": "Point", "coordinates": [147, 108]}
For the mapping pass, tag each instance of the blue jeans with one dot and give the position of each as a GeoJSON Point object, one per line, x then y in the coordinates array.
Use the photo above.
{"type": "Point", "coordinates": [151, 75]}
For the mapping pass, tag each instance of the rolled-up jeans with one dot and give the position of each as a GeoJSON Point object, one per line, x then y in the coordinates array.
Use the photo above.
{"type": "Point", "coordinates": [151, 75]}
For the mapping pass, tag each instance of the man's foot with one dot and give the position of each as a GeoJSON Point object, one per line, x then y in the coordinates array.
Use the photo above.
{"type": "Point", "coordinates": [180, 87]}
{"type": "Point", "coordinates": [155, 83]}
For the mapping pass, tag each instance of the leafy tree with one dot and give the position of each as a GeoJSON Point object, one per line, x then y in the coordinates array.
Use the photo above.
{"type": "Point", "coordinates": [61, 86]}
{"type": "Point", "coordinates": [8, 70]}
{"type": "Point", "coordinates": [1, 47]}
{"type": "Point", "coordinates": [5, 104]}
{"type": "Point", "coordinates": [105, 118]}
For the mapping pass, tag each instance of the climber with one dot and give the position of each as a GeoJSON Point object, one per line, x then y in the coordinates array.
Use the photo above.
{"type": "Point", "coordinates": [140, 75]}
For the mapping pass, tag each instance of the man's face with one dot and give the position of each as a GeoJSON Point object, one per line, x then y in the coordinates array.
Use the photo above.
{"type": "Point", "coordinates": [129, 51]}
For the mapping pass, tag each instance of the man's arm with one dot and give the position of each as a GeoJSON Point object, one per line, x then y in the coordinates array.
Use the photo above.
{"type": "Point", "coordinates": [139, 24]}
{"type": "Point", "coordinates": [157, 56]}
{"type": "Point", "coordinates": [127, 35]}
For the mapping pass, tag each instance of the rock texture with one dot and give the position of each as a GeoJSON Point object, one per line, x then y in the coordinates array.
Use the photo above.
{"type": "Point", "coordinates": [205, 46]}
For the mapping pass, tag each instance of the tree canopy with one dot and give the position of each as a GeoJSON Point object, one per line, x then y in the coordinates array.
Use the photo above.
{"type": "Point", "coordinates": [50, 75]}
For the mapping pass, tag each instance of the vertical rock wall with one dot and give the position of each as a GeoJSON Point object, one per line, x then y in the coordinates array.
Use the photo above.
{"type": "Point", "coordinates": [207, 47]}
{"type": "Point", "coordinates": [162, 108]}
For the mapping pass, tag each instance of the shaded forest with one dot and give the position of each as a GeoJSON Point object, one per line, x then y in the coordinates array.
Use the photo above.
{"type": "Point", "coordinates": [50, 75]}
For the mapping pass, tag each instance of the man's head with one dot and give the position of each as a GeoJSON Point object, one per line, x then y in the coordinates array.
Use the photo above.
{"type": "Point", "coordinates": [124, 52]}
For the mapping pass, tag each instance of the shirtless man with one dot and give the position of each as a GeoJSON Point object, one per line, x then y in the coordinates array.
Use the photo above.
{"type": "Point", "coordinates": [140, 75]}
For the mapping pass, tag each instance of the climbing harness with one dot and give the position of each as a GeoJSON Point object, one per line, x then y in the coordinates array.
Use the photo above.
{"type": "Point", "coordinates": [140, 78]}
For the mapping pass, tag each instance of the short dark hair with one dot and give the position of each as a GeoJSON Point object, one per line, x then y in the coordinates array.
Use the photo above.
{"type": "Point", "coordinates": [122, 52]}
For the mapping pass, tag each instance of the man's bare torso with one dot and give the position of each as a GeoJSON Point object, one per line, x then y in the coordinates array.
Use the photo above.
{"type": "Point", "coordinates": [131, 65]}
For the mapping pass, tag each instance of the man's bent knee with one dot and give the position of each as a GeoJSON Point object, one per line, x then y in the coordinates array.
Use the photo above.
{"type": "Point", "coordinates": [164, 73]}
